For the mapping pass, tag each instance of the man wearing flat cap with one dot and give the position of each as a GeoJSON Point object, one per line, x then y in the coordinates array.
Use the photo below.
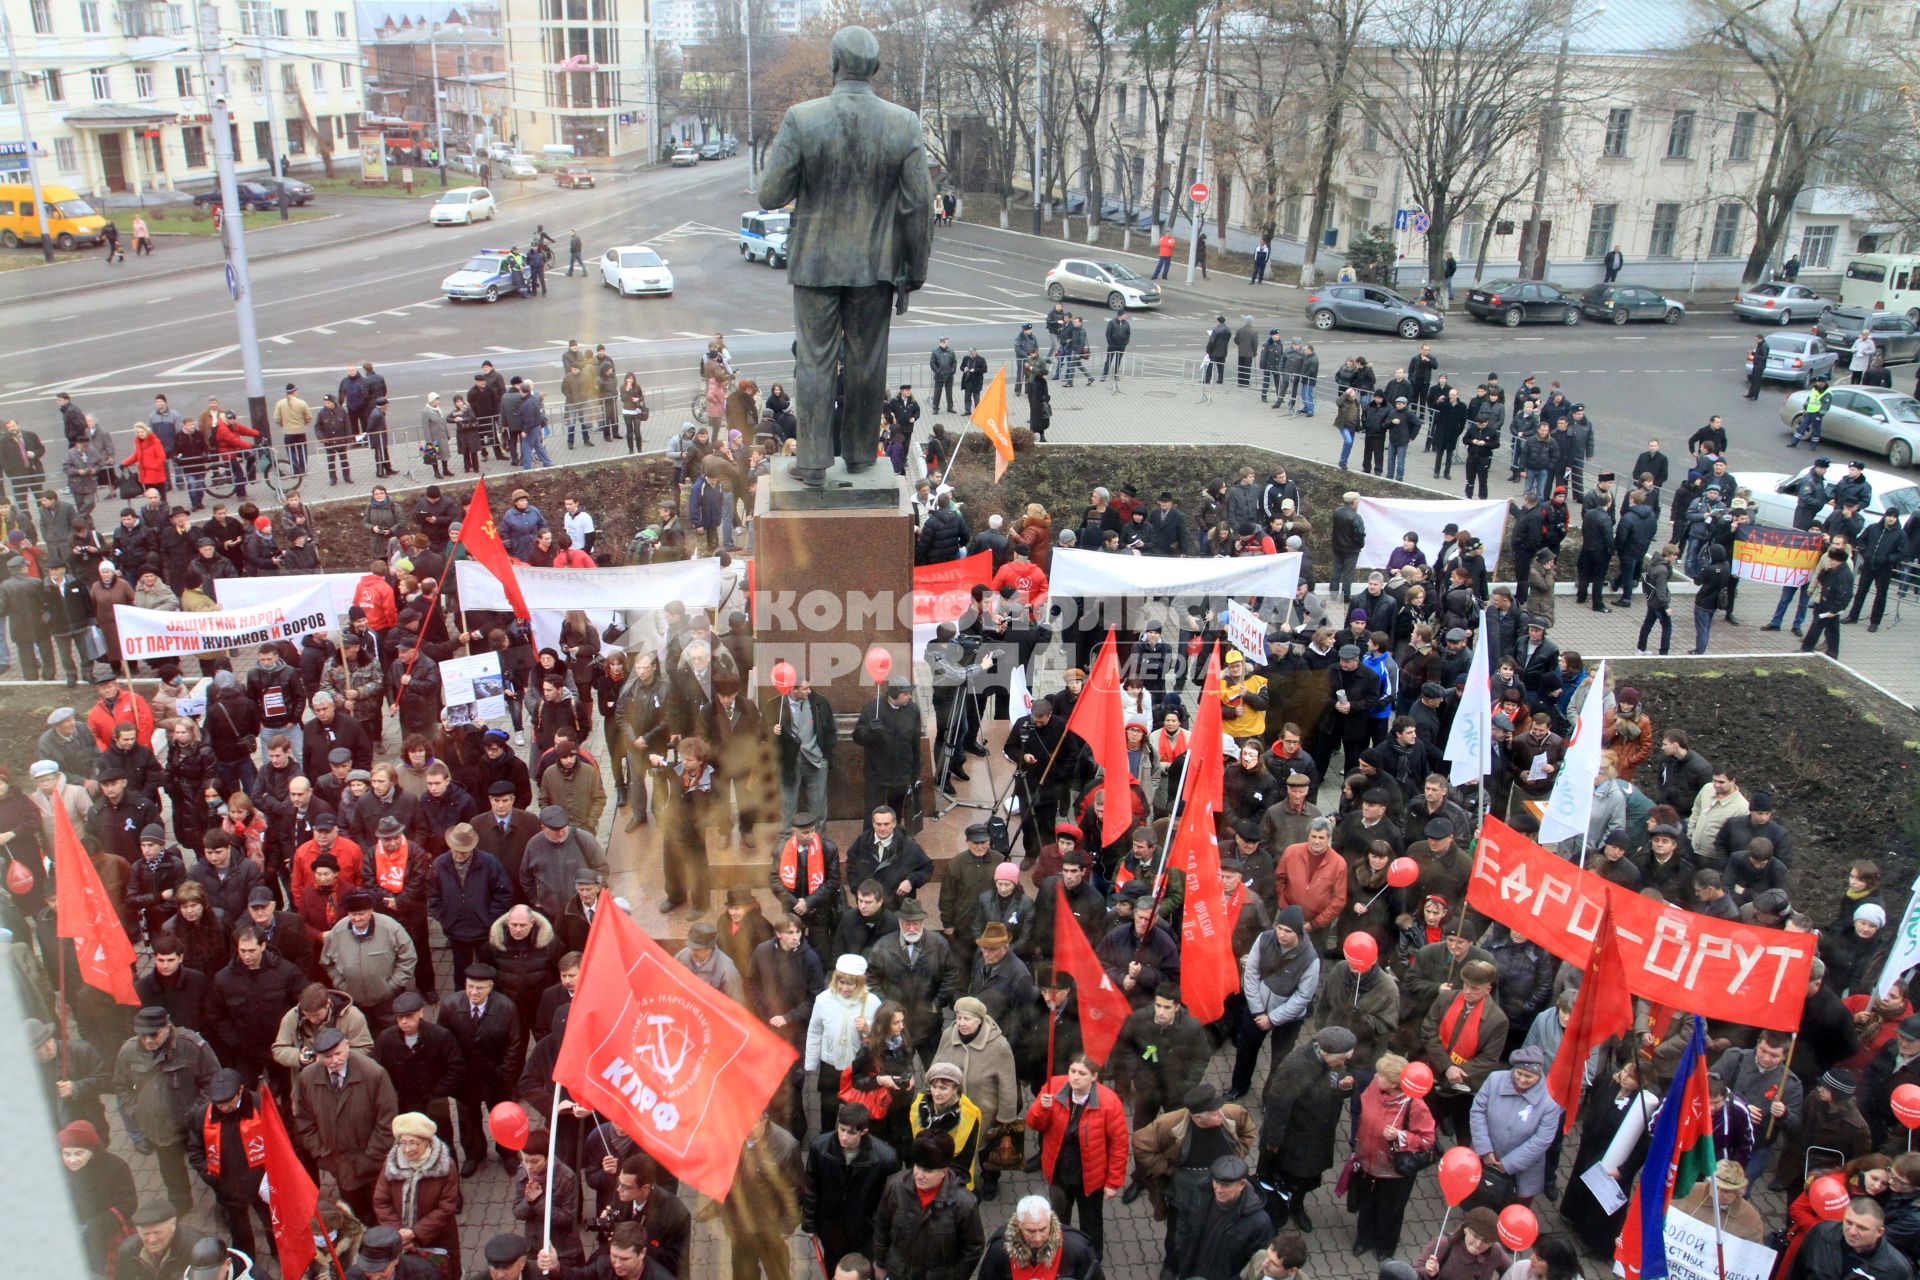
{"type": "Point", "coordinates": [160, 1246]}
{"type": "Point", "coordinates": [225, 1147]}
{"type": "Point", "coordinates": [343, 1109]}
{"type": "Point", "coordinates": [370, 957]}
{"type": "Point", "coordinates": [552, 857]}
{"type": "Point", "coordinates": [1222, 1227]}
{"type": "Point", "coordinates": [160, 1075]}
{"type": "Point", "coordinates": [487, 1027]}
{"type": "Point", "coordinates": [889, 730]}
{"type": "Point", "coordinates": [1174, 1153]}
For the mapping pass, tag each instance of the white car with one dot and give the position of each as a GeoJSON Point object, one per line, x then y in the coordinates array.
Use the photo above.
{"type": "Point", "coordinates": [685, 158]}
{"type": "Point", "coordinates": [518, 166]}
{"type": "Point", "coordinates": [634, 270]}
{"type": "Point", "coordinates": [462, 207]}
{"type": "Point", "coordinates": [1118, 286]}
{"type": "Point", "coordinates": [1774, 501]}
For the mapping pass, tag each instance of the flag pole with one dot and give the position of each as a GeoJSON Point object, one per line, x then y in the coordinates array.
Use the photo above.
{"type": "Point", "coordinates": [1786, 1065]}
{"type": "Point", "coordinates": [553, 1142]}
{"type": "Point", "coordinates": [1713, 1178]}
{"type": "Point", "coordinates": [326, 1238]}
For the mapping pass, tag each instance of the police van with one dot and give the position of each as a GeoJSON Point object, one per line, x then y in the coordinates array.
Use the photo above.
{"type": "Point", "coordinates": [763, 236]}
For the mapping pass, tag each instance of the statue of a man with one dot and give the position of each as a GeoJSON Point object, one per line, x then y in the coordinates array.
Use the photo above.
{"type": "Point", "coordinates": [856, 169]}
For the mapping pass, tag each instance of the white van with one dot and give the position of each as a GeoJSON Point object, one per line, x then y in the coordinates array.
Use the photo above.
{"type": "Point", "coordinates": [1882, 282]}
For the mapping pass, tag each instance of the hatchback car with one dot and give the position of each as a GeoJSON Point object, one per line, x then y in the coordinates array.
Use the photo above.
{"type": "Point", "coordinates": [685, 158]}
{"type": "Point", "coordinates": [1795, 357]}
{"type": "Point", "coordinates": [1369, 306]}
{"type": "Point", "coordinates": [1119, 287]}
{"type": "Point", "coordinates": [253, 195]}
{"type": "Point", "coordinates": [1517, 302]}
{"type": "Point", "coordinates": [462, 206]}
{"type": "Point", "coordinates": [1775, 303]}
{"type": "Point", "coordinates": [1619, 303]}
{"type": "Point", "coordinates": [1774, 496]}
{"type": "Point", "coordinates": [632, 270]}
{"type": "Point", "coordinates": [573, 175]}
{"type": "Point", "coordinates": [1876, 420]}
{"type": "Point", "coordinates": [1897, 336]}
{"type": "Point", "coordinates": [484, 278]}
{"type": "Point", "coordinates": [518, 166]}
{"type": "Point", "coordinates": [712, 151]}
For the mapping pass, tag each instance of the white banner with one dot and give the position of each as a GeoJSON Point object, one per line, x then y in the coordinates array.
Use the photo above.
{"type": "Point", "coordinates": [146, 634]}
{"type": "Point", "coordinates": [695, 583]}
{"type": "Point", "coordinates": [1100, 573]}
{"type": "Point", "coordinates": [1570, 804]}
{"type": "Point", "coordinates": [1247, 632]}
{"type": "Point", "coordinates": [1390, 519]}
{"type": "Point", "coordinates": [1691, 1253]}
{"type": "Point", "coordinates": [245, 593]}
{"type": "Point", "coordinates": [1470, 741]}
{"type": "Point", "coordinates": [1906, 946]}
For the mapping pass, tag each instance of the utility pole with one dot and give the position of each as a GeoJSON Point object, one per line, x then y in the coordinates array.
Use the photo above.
{"type": "Point", "coordinates": [26, 135]}
{"type": "Point", "coordinates": [1200, 165]}
{"type": "Point", "coordinates": [263, 28]}
{"type": "Point", "coordinates": [1039, 72]}
{"type": "Point", "coordinates": [1530, 250]}
{"type": "Point", "coordinates": [746, 31]}
{"type": "Point", "coordinates": [439, 131]}
{"type": "Point", "coordinates": [233, 231]}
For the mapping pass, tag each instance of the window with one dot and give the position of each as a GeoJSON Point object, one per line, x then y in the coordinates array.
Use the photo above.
{"type": "Point", "coordinates": [313, 23]}
{"type": "Point", "coordinates": [1666, 223]}
{"type": "Point", "coordinates": [56, 88]}
{"type": "Point", "coordinates": [90, 16]}
{"type": "Point", "coordinates": [319, 76]}
{"type": "Point", "coordinates": [1816, 246]}
{"type": "Point", "coordinates": [1290, 219]}
{"type": "Point", "coordinates": [143, 83]}
{"type": "Point", "coordinates": [194, 139]}
{"type": "Point", "coordinates": [183, 81]}
{"type": "Point", "coordinates": [288, 77]}
{"type": "Point", "coordinates": [101, 83]}
{"type": "Point", "coordinates": [6, 92]}
{"type": "Point", "coordinates": [1726, 230]}
{"type": "Point", "coordinates": [1471, 229]}
{"type": "Point", "coordinates": [296, 138]}
{"type": "Point", "coordinates": [246, 19]}
{"type": "Point", "coordinates": [42, 17]}
{"type": "Point", "coordinates": [339, 26]}
{"type": "Point", "coordinates": [65, 155]}
{"type": "Point", "coordinates": [1860, 17]}
{"type": "Point", "coordinates": [1680, 136]}
{"type": "Point", "coordinates": [1619, 120]}
{"type": "Point", "coordinates": [262, 140]}
{"type": "Point", "coordinates": [346, 76]}
{"type": "Point", "coordinates": [1360, 214]}
{"type": "Point", "coordinates": [1600, 230]}
{"type": "Point", "coordinates": [1120, 102]}
{"type": "Point", "coordinates": [1369, 136]}
{"type": "Point", "coordinates": [280, 23]}
{"type": "Point", "coordinates": [1740, 145]}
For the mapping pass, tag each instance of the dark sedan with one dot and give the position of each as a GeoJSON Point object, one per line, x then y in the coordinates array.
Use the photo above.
{"type": "Point", "coordinates": [1517, 302]}
{"type": "Point", "coordinates": [1619, 303]}
{"type": "Point", "coordinates": [253, 196]}
{"type": "Point", "coordinates": [298, 192]}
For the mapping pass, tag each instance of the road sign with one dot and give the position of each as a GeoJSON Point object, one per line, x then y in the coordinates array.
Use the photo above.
{"type": "Point", "coordinates": [1400, 219]}
{"type": "Point", "coordinates": [1421, 222]}
{"type": "Point", "coordinates": [1198, 193]}
{"type": "Point", "coordinates": [233, 283]}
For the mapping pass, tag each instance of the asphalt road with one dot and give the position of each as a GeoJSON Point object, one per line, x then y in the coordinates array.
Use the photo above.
{"type": "Point", "coordinates": [116, 344]}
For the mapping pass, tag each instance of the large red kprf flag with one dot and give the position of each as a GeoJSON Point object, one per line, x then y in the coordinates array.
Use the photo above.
{"type": "Point", "coordinates": [1208, 974]}
{"type": "Point", "coordinates": [482, 541]}
{"type": "Point", "coordinates": [1099, 720]}
{"type": "Point", "coordinates": [680, 1068]}
{"type": "Point", "coordinates": [1103, 1006]}
{"type": "Point", "coordinates": [83, 912]}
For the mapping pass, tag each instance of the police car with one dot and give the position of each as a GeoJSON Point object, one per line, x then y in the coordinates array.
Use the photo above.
{"type": "Point", "coordinates": [484, 278]}
{"type": "Point", "coordinates": [763, 236]}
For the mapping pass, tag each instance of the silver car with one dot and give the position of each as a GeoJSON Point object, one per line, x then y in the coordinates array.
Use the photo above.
{"type": "Point", "coordinates": [1778, 303]}
{"type": "Point", "coordinates": [1878, 420]}
{"type": "Point", "coordinates": [1897, 337]}
{"type": "Point", "coordinates": [1370, 306]}
{"type": "Point", "coordinates": [1795, 357]}
{"type": "Point", "coordinates": [1099, 280]}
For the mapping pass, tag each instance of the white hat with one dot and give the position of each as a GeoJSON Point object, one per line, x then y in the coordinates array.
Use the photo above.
{"type": "Point", "coordinates": [44, 768]}
{"type": "Point", "coordinates": [852, 964]}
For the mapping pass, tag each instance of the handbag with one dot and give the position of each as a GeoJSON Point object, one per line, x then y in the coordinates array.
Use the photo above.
{"type": "Point", "coordinates": [876, 1100]}
{"type": "Point", "coordinates": [1496, 1191]}
{"type": "Point", "coordinates": [1345, 1180]}
{"type": "Point", "coordinates": [93, 643]}
{"type": "Point", "coordinates": [129, 486]}
{"type": "Point", "coordinates": [1006, 1149]}
{"type": "Point", "coordinates": [644, 413]}
{"type": "Point", "coordinates": [1408, 1163]}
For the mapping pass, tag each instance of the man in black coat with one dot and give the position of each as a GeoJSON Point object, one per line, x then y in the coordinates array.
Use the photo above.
{"type": "Point", "coordinates": [505, 829]}
{"type": "Point", "coordinates": [888, 855]}
{"type": "Point", "coordinates": [847, 1171]}
{"type": "Point", "coordinates": [915, 967]}
{"type": "Point", "coordinates": [1037, 1242]}
{"type": "Point", "coordinates": [1883, 548]}
{"type": "Point", "coordinates": [423, 1059]}
{"type": "Point", "coordinates": [250, 996]}
{"type": "Point", "coordinates": [487, 1028]}
{"type": "Point", "coordinates": [225, 1164]}
{"type": "Point", "coordinates": [889, 730]}
{"type": "Point", "coordinates": [1854, 1248]}
{"type": "Point", "coordinates": [1221, 1227]}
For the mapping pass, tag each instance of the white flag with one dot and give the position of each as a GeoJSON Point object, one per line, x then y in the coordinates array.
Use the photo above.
{"type": "Point", "coordinates": [1470, 741]}
{"type": "Point", "coordinates": [1570, 806]}
{"type": "Point", "coordinates": [1020, 698]}
{"type": "Point", "coordinates": [1906, 946]}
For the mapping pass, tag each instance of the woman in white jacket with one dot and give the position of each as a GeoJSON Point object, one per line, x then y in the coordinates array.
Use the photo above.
{"type": "Point", "coordinates": [836, 1033]}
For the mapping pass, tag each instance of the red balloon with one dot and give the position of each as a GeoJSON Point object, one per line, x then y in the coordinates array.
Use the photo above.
{"type": "Point", "coordinates": [1361, 951]}
{"type": "Point", "coordinates": [785, 678]}
{"type": "Point", "coordinates": [1906, 1105]}
{"type": "Point", "coordinates": [879, 664]}
{"type": "Point", "coordinates": [1518, 1227]}
{"type": "Point", "coordinates": [19, 878]}
{"type": "Point", "coordinates": [508, 1120]}
{"type": "Point", "coordinates": [1459, 1174]}
{"type": "Point", "coordinates": [1417, 1080]}
{"type": "Point", "coordinates": [1402, 872]}
{"type": "Point", "coordinates": [1828, 1195]}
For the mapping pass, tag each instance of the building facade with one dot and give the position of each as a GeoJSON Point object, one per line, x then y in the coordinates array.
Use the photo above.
{"type": "Point", "coordinates": [407, 61]}
{"type": "Point", "coordinates": [580, 74]}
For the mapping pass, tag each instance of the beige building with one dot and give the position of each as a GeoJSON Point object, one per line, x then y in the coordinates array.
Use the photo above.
{"type": "Point", "coordinates": [580, 74]}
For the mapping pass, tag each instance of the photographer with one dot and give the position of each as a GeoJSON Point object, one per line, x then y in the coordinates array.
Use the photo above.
{"type": "Point", "coordinates": [958, 667]}
{"type": "Point", "coordinates": [1043, 765]}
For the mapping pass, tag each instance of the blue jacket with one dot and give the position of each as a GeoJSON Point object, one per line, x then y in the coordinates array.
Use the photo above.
{"type": "Point", "coordinates": [519, 528]}
{"type": "Point", "coordinates": [467, 910]}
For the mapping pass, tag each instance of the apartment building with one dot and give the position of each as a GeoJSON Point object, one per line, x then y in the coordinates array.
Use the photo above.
{"type": "Point", "coordinates": [580, 74]}
{"type": "Point", "coordinates": [407, 59]}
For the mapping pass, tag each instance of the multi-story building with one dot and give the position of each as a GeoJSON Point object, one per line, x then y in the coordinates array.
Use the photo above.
{"type": "Point", "coordinates": [580, 74]}
{"type": "Point", "coordinates": [117, 98]}
{"type": "Point", "coordinates": [692, 22]}
{"type": "Point", "coordinates": [406, 60]}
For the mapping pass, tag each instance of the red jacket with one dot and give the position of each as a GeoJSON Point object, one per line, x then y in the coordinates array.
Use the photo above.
{"type": "Point", "coordinates": [126, 705]}
{"type": "Point", "coordinates": [375, 597]}
{"type": "Point", "coordinates": [1320, 892]}
{"type": "Point", "coordinates": [231, 437]}
{"type": "Point", "coordinates": [1104, 1139]}
{"type": "Point", "coordinates": [149, 460]}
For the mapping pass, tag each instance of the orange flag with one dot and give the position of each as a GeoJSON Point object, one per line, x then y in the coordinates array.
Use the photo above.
{"type": "Point", "coordinates": [1602, 1010]}
{"type": "Point", "coordinates": [1208, 974]}
{"type": "Point", "coordinates": [292, 1198]}
{"type": "Point", "coordinates": [482, 541]}
{"type": "Point", "coordinates": [990, 415]}
{"type": "Point", "coordinates": [1100, 722]}
{"type": "Point", "coordinates": [83, 912]}
{"type": "Point", "coordinates": [1103, 1006]}
{"type": "Point", "coordinates": [681, 1069]}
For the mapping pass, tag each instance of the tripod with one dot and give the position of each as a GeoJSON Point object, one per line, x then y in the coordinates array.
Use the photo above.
{"type": "Point", "coordinates": [966, 711]}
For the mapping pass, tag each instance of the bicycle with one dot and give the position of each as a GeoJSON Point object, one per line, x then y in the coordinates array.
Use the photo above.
{"type": "Point", "coordinates": [697, 411]}
{"type": "Point", "coordinates": [225, 475]}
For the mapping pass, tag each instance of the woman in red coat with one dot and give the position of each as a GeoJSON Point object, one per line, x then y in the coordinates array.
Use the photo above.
{"type": "Point", "coordinates": [1083, 1145]}
{"type": "Point", "coordinates": [148, 459]}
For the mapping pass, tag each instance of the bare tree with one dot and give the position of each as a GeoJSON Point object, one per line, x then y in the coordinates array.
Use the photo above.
{"type": "Point", "coordinates": [1256, 133]}
{"type": "Point", "coordinates": [992, 72]}
{"type": "Point", "coordinates": [1084, 58]}
{"type": "Point", "coordinates": [1328, 33]}
{"type": "Point", "coordinates": [1163, 38]}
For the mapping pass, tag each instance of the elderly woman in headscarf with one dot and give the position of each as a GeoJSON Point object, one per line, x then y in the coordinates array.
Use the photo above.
{"type": "Point", "coordinates": [418, 1191]}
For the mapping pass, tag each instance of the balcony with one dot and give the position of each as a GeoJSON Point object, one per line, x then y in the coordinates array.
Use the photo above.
{"type": "Point", "coordinates": [149, 19]}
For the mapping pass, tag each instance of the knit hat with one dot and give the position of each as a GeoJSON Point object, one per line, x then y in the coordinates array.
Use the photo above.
{"type": "Point", "coordinates": [80, 1133]}
{"type": "Point", "coordinates": [1291, 917]}
{"type": "Point", "coordinates": [970, 1006]}
{"type": "Point", "coordinates": [411, 1124]}
{"type": "Point", "coordinates": [1841, 1080]}
{"type": "Point", "coordinates": [1872, 912]}
{"type": "Point", "coordinates": [1007, 871]}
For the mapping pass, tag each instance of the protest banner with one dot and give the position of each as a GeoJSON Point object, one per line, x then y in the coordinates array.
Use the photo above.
{"type": "Point", "coordinates": [1691, 1253]}
{"type": "Point", "coordinates": [695, 583]}
{"type": "Point", "coordinates": [1099, 573]}
{"type": "Point", "coordinates": [944, 592]}
{"type": "Point", "coordinates": [1387, 520]}
{"type": "Point", "coordinates": [471, 689]}
{"type": "Point", "coordinates": [1677, 959]}
{"type": "Point", "coordinates": [1778, 557]}
{"type": "Point", "coordinates": [243, 593]}
{"type": "Point", "coordinates": [146, 634]}
{"type": "Point", "coordinates": [1247, 632]}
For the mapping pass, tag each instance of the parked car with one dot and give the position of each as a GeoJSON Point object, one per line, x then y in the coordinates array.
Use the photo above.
{"type": "Point", "coordinates": [462, 206]}
{"type": "Point", "coordinates": [1620, 303]}
{"type": "Point", "coordinates": [253, 195]}
{"type": "Point", "coordinates": [1517, 302]}
{"type": "Point", "coordinates": [730, 145]}
{"type": "Point", "coordinates": [763, 236]}
{"type": "Point", "coordinates": [298, 192]}
{"type": "Point", "coordinates": [1777, 303]}
{"type": "Point", "coordinates": [484, 278]}
{"type": "Point", "coordinates": [1371, 306]}
{"type": "Point", "coordinates": [573, 175]}
{"type": "Point", "coordinates": [711, 151]}
{"type": "Point", "coordinates": [1795, 357]}
{"type": "Point", "coordinates": [1898, 337]}
{"type": "Point", "coordinates": [685, 158]}
{"type": "Point", "coordinates": [1119, 287]}
{"type": "Point", "coordinates": [633, 270]}
{"type": "Point", "coordinates": [1774, 499]}
{"type": "Point", "coordinates": [1877, 420]}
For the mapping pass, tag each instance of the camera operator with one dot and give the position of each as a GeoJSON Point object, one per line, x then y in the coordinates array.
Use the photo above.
{"type": "Point", "coordinates": [959, 666]}
{"type": "Point", "coordinates": [1045, 762]}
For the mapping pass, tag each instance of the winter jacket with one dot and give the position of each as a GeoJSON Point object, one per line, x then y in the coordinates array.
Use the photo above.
{"type": "Point", "coordinates": [425, 1200]}
{"type": "Point", "coordinates": [939, 1241]}
{"type": "Point", "coordinates": [247, 1007]}
{"type": "Point", "coordinates": [527, 966]}
{"type": "Point", "coordinates": [1301, 1108]}
{"type": "Point", "coordinates": [164, 1092]}
{"type": "Point", "coordinates": [347, 1131]}
{"type": "Point", "coordinates": [1210, 1246]}
{"type": "Point", "coordinates": [297, 1034]}
{"type": "Point", "coordinates": [986, 1063]}
{"type": "Point", "coordinates": [466, 906]}
{"type": "Point", "coordinates": [1518, 1127]}
{"type": "Point", "coordinates": [374, 969]}
{"type": "Point", "coordinates": [1104, 1138]}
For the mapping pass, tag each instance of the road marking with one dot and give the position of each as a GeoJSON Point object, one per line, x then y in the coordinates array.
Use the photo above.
{"type": "Point", "coordinates": [622, 337]}
{"type": "Point", "coordinates": [432, 355]}
{"type": "Point", "coordinates": [751, 333]}
{"type": "Point", "coordinates": [1013, 293]}
{"type": "Point", "coordinates": [688, 333]}
{"type": "Point", "coordinates": [358, 320]}
{"type": "Point", "coordinates": [500, 351]}
{"type": "Point", "coordinates": [1624, 337]}
{"type": "Point", "coordinates": [58, 319]}
{"type": "Point", "coordinates": [323, 329]}
{"type": "Point", "coordinates": [281, 340]}
{"type": "Point", "coordinates": [151, 301]}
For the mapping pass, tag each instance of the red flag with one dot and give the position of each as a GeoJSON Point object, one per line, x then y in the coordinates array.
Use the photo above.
{"type": "Point", "coordinates": [1103, 1006]}
{"type": "Point", "coordinates": [83, 912]}
{"type": "Point", "coordinates": [291, 1197]}
{"type": "Point", "coordinates": [482, 541]}
{"type": "Point", "coordinates": [1602, 1010]}
{"type": "Point", "coordinates": [681, 1069]}
{"type": "Point", "coordinates": [944, 592]}
{"type": "Point", "coordinates": [1208, 974]}
{"type": "Point", "coordinates": [1100, 722]}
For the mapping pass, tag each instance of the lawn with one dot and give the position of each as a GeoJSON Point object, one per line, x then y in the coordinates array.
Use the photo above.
{"type": "Point", "coordinates": [343, 185]}
{"type": "Point", "coordinates": [199, 222]}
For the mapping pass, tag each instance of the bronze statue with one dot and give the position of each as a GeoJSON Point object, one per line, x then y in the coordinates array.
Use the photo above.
{"type": "Point", "coordinates": [855, 168]}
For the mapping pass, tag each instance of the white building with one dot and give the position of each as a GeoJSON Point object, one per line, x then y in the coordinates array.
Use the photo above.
{"type": "Point", "coordinates": [580, 74]}
{"type": "Point", "coordinates": [117, 98]}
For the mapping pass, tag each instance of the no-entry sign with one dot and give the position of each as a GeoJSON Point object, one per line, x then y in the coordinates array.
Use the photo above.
{"type": "Point", "coordinates": [1198, 193]}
